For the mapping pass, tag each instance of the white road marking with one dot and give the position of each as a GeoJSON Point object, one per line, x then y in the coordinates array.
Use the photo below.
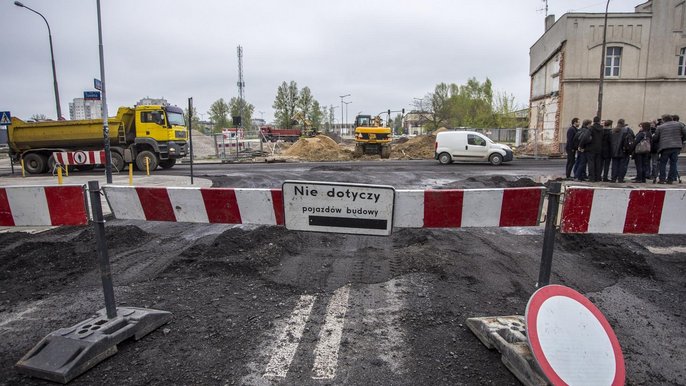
{"type": "Point", "coordinates": [326, 352]}
{"type": "Point", "coordinates": [286, 346]}
{"type": "Point", "coordinates": [666, 250]}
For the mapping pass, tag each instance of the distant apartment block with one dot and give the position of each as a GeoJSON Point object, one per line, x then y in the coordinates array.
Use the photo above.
{"type": "Point", "coordinates": [82, 108]}
{"type": "Point", "coordinates": [152, 101]}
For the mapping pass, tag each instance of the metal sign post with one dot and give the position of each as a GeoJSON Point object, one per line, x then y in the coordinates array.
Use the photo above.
{"type": "Point", "coordinates": [549, 235]}
{"type": "Point", "coordinates": [190, 132]}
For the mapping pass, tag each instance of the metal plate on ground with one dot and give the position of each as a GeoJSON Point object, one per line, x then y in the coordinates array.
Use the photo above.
{"type": "Point", "coordinates": [338, 207]}
{"type": "Point", "coordinates": [571, 340]}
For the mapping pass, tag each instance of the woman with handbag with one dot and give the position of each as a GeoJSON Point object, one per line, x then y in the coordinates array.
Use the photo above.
{"type": "Point", "coordinates": [642, 153]}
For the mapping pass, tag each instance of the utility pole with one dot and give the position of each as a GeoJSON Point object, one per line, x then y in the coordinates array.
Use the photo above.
{"type": "Point", "coordinates": [602, 65]}
{"type": "Point", "coordinates": [340, 132]}
{"type": "Point", "coordinates": [241, 86]}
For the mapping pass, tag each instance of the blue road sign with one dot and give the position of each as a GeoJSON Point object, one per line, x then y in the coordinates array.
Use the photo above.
{"type": "Point", "coordinates": [91, 95]}
{"type": "Point", "coordinates": [5, 118]}
{"type": "Point", "coordinates": [97, 84]}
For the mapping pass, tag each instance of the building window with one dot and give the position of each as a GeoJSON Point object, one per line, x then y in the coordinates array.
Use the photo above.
{"type": "Point", "coordinates": [613, 61]}
{"type": "Point", "coordinates": [682, 62]}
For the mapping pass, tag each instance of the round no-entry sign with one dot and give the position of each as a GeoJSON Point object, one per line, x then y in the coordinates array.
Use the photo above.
{"type": "Point", "coordinates": [571, 340]}
{"type": "Point", "coordinates": [80, 157]}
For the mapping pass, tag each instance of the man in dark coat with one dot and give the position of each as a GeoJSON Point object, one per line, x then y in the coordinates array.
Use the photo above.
{"type": "Point", "coordinates": [594, 151]}
{"type": "Point", "coordinates": [581, 141]}
{"type": "Point", "coordinates": [670, 137]}
{"type": "Point", "coordinates": [569, 147]}
{"type": "Point", "coordinates": [620, 158]}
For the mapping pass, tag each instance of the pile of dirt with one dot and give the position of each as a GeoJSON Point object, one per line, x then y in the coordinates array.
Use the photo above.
{"type": "Point", "coordinates": [419, 147]}
{"type": "Point", "coordinates": [319, 148]}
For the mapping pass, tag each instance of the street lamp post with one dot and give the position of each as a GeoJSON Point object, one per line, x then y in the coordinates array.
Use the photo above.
{"type": "Point", "coordinates": [342, 120]}
{"type": "Point", "coordinates": [346, 115]}
{"type": "Point", "coordinates": [52, 56]}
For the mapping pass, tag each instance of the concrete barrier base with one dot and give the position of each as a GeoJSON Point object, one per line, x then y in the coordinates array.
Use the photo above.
{"type": "Point", "coordinates": [507, 334]}
{"type": "Point", "coordinates": [69, 352]}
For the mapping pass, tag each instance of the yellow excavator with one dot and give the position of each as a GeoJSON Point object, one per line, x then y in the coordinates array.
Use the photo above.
{"type": "Point", "coordinates": [371, 137]}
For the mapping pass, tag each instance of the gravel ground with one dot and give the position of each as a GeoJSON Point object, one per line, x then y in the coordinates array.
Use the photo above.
{"type": "Point", "coordinates": [232, 291]}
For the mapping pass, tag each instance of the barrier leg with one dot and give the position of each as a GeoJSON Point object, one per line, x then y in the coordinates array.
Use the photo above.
{"type": "Point", "coordinates": [103, 258]}
{"type": "Point", "coordinates": [59, 175]}
{"type": "Point", "coordinates": [130, 174]}
{"type": "Point", "coordinates": [147, 166]}
{"type": "Point", "coordinates": [23, 171]}
{"type": "Point", "coordinates": [549, 236]}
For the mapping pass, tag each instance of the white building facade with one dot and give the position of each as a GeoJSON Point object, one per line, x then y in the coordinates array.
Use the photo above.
{"type": "Point", "coordinates": [644, 69]}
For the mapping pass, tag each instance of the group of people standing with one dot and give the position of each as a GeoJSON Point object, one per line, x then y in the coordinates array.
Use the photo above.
{"type": "Point", "coordinates": [597, 151]}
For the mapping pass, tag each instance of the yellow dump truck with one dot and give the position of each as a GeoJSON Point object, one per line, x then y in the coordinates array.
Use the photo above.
{"type": "Point", "coordinates": [155, 132]}
{"type": "Point", "coordinates": [371, 137]}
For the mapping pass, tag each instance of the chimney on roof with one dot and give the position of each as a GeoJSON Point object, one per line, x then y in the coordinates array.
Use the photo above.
{"type": "Point", "coordinates": [549, 21]}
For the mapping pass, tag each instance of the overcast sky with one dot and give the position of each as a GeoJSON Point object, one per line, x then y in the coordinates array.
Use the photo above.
{"type": "Point", "coordinates": [382, 52]}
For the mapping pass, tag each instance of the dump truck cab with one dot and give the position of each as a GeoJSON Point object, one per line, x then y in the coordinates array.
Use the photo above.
{"type": "Point", "coordinates": [160, 130]}
{"type": "Point", "coordinates": [371, 137]}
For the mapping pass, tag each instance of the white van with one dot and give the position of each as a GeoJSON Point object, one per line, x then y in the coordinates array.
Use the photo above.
{"type": "Point", "coordinates": [469, 146]}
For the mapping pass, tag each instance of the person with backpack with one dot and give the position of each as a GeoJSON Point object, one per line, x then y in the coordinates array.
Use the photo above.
{"type": "Point", "coordinates": [642, 153]}
{"type": "Point", "coordinates": [594, 151]}
{"type": "Point", "coordinates": [620, 158]}
{"type": "Point", "coordinates": [570, 148]}
{"type": "Point", "coordinates": [670, 137]}
{"type": "Point", "coordinates": [581, 140]}
{"type": "Point", "coordinates": [629, 143]}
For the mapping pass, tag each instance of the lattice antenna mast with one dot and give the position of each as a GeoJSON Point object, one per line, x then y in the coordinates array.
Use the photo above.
{"type": "Point", "coordinates": [241, 83]}
{"type": "Point", "coordinates": [545, 8]}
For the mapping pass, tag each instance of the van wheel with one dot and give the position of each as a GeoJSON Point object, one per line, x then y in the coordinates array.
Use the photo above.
{"type": "Point", "coordinates": [496, 159]}
{"type": "Point", "coordinates": [444, 158]}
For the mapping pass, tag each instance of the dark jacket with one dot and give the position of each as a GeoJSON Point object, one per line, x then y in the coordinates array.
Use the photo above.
{"type": "Point", "coordinates": [571, 132]}
{"type": "Point", "coordinates": [607, 147]}
{"type": "Point", "coordinates": [596, 145]}
{"type": "Point", "coordinates": [617, 142]}
{"type": "Point", "coordinates": [669, 135]}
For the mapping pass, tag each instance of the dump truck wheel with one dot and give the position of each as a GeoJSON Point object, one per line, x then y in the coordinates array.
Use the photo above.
{"type": "Point", "coordinates": [167, 163]}
{"type": "Point", "coordinates": [35, 163]}
{"type": "Point", "coordinates": [118, 161]}
{"type": "Point", "coordinates": [385, 152]}
{"type": "Point", "coordinates": [140, 160]}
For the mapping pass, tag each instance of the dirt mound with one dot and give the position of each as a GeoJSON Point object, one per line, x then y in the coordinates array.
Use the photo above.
{"type": "Point", "coordinates": [319, 148]}
{"type": "Point", "coordinates": [420, 147]}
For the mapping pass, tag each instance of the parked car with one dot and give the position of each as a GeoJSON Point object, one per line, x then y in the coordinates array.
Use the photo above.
{"type": "Point", "coordinates": [453, 146]}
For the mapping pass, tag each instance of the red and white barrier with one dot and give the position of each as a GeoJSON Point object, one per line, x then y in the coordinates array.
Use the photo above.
{"type": "Point", "coordinates": [80, 157]}
{"type": "Point", "coordinates": [43, 205]}
{"type": "Point", "coordinates": [202, 205]}
{"type": "Point", "coordinates": [638, 211]}
{"type": "Point", "coordinates": [413, 208]}
{"type": "Point", "coordinates": [457, 208]}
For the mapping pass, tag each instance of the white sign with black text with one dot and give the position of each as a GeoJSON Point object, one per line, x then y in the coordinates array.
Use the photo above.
{"type": "Point", "coordinates": [338, 208]}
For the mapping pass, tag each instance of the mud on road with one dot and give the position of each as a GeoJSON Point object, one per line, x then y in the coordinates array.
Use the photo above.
{"type": "Point", "coordinates": [233, 291]}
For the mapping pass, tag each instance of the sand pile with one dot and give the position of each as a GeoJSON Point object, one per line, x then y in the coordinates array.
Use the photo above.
{"type": "Point", "coordinates": [319, 148]}
{"type": "Point", "coordinates": [419, 147]}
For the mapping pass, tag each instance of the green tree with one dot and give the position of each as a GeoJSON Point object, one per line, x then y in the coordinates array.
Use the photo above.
{"type": "Point", "coordinates": [38, 117]}
{"type": "Point", "coordinates": [285, 104]}
{"type": "Point", "coordinates": [305, 101]}
{"type": "Point", "coordinates": [219, 115]}
{"type": "Point", "coordinates": [243, 109]}
{"type": "Point", "coordinates": [316, 115]}
{"type": "Point", "coordinates": [504, 109]}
